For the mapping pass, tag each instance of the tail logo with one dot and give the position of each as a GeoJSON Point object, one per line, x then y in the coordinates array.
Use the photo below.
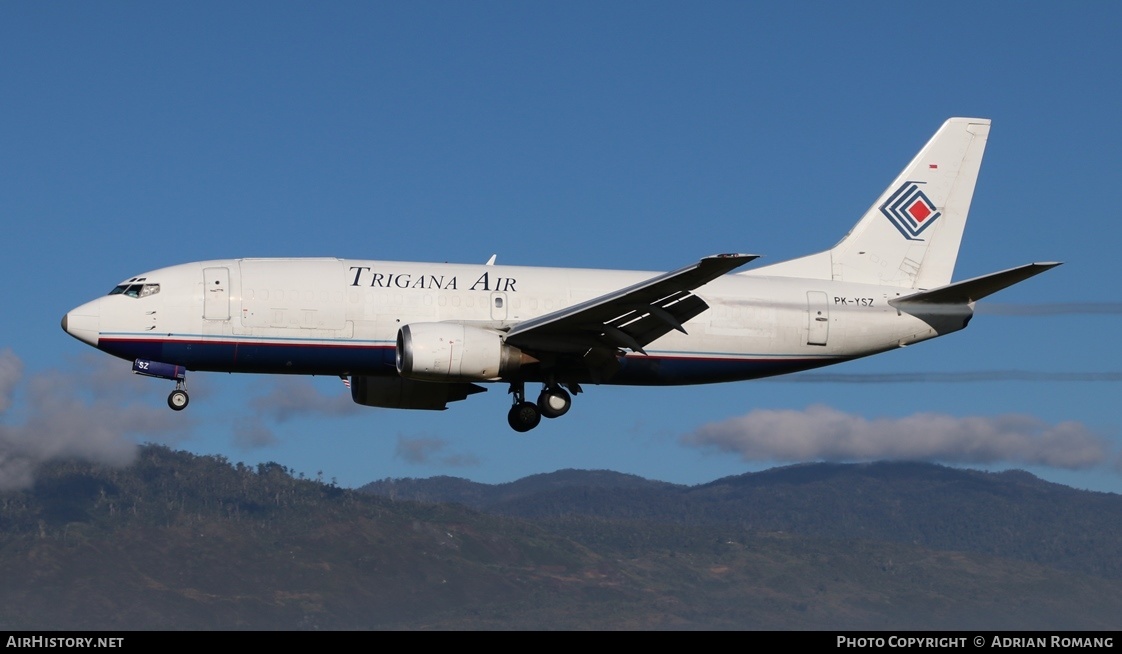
{"type": "Point", "coordinates": [910, 210]}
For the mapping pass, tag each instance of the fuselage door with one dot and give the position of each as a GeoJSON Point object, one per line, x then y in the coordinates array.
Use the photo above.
{"type": "Point", "coordinates": [818, 318]}
{"type": "Point", "coordinates": [216, 293]}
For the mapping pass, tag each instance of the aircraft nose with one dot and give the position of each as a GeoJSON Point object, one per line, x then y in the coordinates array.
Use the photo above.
{"type": "Point", "coordinates": [83, 322]}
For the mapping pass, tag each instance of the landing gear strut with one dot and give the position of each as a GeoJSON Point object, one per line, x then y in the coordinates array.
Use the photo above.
{"type": "Point", "coordinates": [523, 416]}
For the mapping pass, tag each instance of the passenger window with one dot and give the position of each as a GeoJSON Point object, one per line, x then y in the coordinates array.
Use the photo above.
{"type": "Point", "coordinates": [498, 303]}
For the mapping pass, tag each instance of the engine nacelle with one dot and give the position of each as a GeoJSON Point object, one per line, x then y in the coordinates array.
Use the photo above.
{"type": "Point", "coordinates": [400, 393]}
{"type": "Point", "coordinates": [446, 351]}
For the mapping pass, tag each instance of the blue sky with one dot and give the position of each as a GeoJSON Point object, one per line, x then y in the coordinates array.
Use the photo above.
{"type": "Point", "coordinates": [603, 135]}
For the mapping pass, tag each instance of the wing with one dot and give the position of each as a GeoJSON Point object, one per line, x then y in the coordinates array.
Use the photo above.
{"type": "Point", "coordinates": [629, 318]}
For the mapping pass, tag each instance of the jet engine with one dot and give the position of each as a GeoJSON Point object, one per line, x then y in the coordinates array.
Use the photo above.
{"type": "Point", "coordinates": [446, 351]}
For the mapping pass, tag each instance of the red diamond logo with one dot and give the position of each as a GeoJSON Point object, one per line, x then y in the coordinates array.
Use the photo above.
{"type": "Point", "coordinates": [919, 211]}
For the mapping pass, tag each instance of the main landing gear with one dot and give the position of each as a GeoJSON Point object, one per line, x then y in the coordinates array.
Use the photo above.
{"type": "Point", "coordinates": [553, 402]}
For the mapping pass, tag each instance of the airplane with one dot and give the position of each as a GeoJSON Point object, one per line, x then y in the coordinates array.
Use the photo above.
{"type": "Point", "coordinates": [421, 335]}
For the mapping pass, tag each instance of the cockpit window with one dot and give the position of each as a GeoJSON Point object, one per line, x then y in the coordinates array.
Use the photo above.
{"type": "Point", "coordinates": [136, 290]}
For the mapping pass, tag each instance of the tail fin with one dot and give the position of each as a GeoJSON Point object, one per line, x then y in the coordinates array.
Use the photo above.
{"type": "Point", "coordinates": [910, 236]}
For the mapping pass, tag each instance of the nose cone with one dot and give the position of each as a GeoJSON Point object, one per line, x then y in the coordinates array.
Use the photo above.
{"type": "Point", "coordinates": [83, 323]}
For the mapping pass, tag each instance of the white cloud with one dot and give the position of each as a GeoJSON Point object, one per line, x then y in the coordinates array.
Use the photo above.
{"type": "Point", "coordinates": [296, 397]}
{"type": "Point", "coordinates": [418, 450]}
{"type": "Point", "coordinates": [285, 399]}
{"type": "Point", "coordinates": [72, 415]}
{"type": "Point", "coordinates": [252, 432]}
{"type": "Point", "coordinates": [824, 433]}
{"type": "Point", "coordinates": [11, 369]}
{"type": "Point", "coordinates": [428, 450]}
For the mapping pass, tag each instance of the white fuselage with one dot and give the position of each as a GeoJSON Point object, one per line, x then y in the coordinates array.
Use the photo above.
{"type": "Point", "coordinates": [341, 317]}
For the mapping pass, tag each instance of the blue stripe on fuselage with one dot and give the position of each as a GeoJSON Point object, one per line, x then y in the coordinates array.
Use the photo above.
{"type": "Point", "coordinates": [377, 358]}
{"type": "Point", "coordinates": [280, 356]}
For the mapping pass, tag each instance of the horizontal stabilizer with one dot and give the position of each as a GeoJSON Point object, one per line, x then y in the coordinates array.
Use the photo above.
{"type": "Point", "coordinates": [975, 289]}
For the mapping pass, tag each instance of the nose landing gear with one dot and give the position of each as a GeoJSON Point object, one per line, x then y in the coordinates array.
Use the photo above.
{"type": "Point", "coordinates": [178, 398]}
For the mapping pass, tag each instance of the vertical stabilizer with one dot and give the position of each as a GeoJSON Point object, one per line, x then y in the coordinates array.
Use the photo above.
{"type": "Point", "coordinates": [910, 236]}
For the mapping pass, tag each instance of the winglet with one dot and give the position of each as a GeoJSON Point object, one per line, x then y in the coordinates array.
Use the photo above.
{"type": "Point", "coordinates": [491, 261]}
